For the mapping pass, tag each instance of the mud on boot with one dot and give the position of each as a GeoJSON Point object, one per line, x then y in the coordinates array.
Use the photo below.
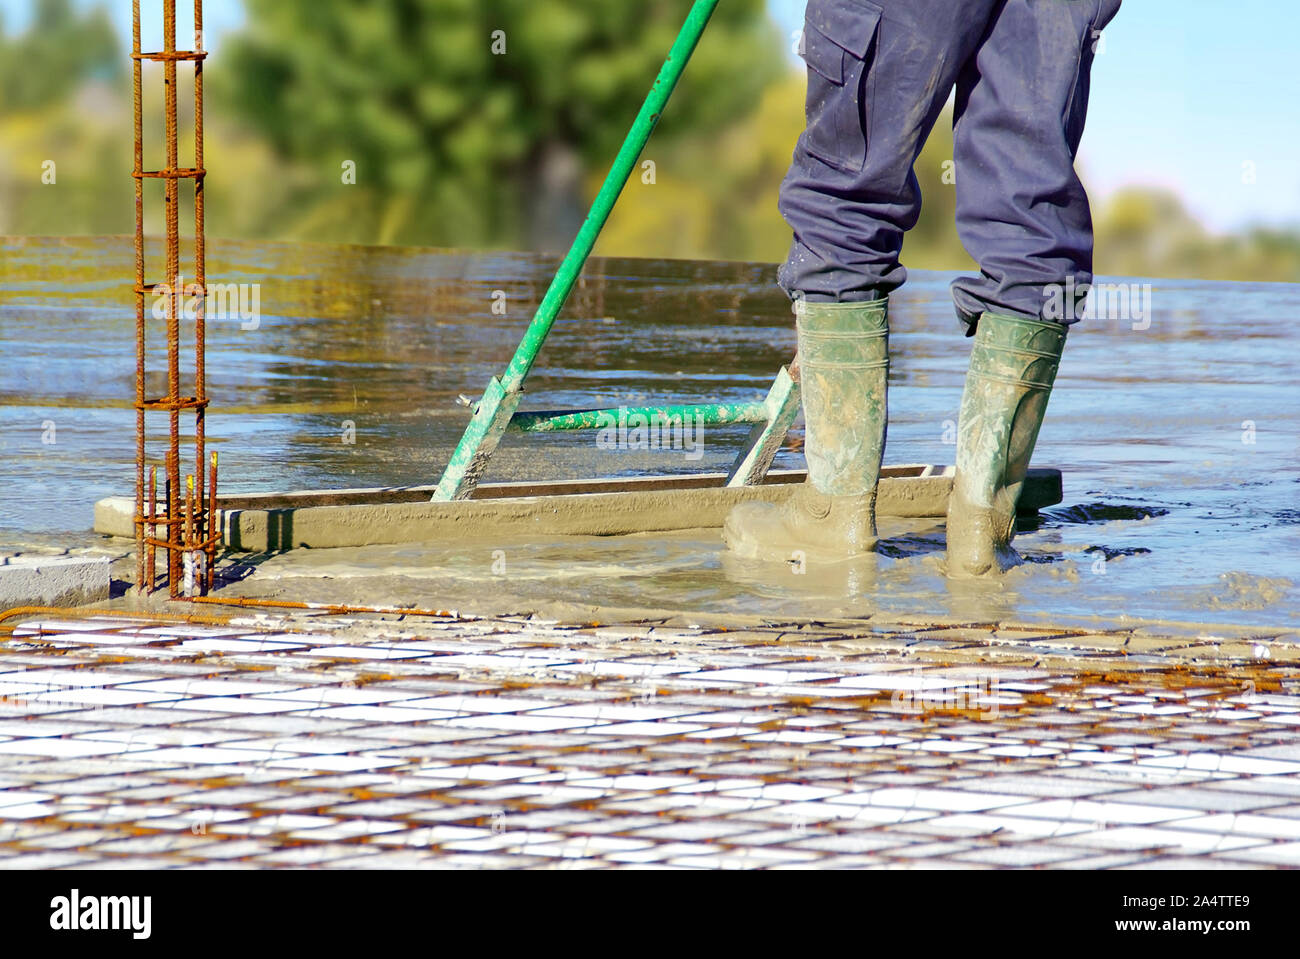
{"type": "Point", "coordinates": [844, 371]}
{"type": "Point", "coordinates": [810, 524]}
{"type": "Point", "coordinates": [979, 540]}
{"type": "Point", "coordinates": [1013, 366]}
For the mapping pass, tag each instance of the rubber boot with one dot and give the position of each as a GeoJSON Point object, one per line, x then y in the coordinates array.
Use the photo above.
{"type": "Point", "coordinates": [1012, 368]}
{"type": "Point", "coordinates": [844, 368]}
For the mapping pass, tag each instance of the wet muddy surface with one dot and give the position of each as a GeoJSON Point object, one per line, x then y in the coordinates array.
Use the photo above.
{"type": "Point", "coordinates": [1177, 433]}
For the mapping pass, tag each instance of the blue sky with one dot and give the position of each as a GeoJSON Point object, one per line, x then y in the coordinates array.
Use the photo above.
{"type": "Point", "coordinates": [1186, 94]}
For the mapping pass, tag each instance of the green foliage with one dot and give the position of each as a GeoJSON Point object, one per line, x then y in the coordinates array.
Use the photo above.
{"type": "Point", "coordinates": [59, 120]}
{"type": "Point", "coordinates": [48, 63]}
{"type": "Point", "coordinates": [457, 145]}
{"type": "Point", "coordinates": [454, 128]}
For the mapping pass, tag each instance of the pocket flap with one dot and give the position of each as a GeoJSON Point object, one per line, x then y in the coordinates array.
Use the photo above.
{"type": "Point", "coordinates": [849, 24]}
{"type": "Point", "coordinates": [822, 55]}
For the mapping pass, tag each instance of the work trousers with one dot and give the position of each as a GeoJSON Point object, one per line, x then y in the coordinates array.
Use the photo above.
{"type": "Point", "coordinates": [879, 74]}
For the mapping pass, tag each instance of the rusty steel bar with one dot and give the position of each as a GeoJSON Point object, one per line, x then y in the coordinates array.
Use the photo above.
{"type": "Point", "coordinates": [137, 90]}
{"type": "Point", "coordinates": [188, 540]}
{"type": "Point", "coordinates": [151, 531]}
{"type": "Point", "coordinates": [174, 531]}
{"type": "Point", "coordinates": [203, 521]}
{"type": "Point", "coordinates": [214, 530]}
{"type": "Point", "coordinates": [185, 519]}
{"type": "Point", "coordinates": [242, 602]}
{"type": "Point", "coordinates": [202, 620]}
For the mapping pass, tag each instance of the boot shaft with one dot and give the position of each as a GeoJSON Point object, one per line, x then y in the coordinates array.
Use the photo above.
{"type": "Point", "coordinates": [843, 336]}
{"type": "Point", "coordinates": [843, 374]}
{"type": "Point", "coordinates": [1017, 351]}
{"type": "Point", "coordinates": [1013, 368]}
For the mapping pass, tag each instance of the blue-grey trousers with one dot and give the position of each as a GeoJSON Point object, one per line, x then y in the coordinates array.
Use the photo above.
{"type": "Point", "coordinates": [879, 74]}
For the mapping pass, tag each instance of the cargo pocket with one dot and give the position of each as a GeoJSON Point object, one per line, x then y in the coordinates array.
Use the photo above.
{"type": "Point", "coordinates": [838, 45]}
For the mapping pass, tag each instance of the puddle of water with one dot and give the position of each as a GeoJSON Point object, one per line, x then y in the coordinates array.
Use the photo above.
{"type": "Point", "coordinates": [1178, 442]}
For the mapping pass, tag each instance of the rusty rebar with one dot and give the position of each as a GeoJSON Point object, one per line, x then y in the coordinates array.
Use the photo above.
{"type": "Point", "coordinates": [214, 528]}
{"type": "Point", "coordinates": [168, 523]}
{"type": "Point", "coordinates": [189, 560]}
{"type": "Point", "coordinates": [201, 281]}
{"type": "Point", "coordinates": [245, 601]}
{"type": "Point", "coordinates": [215, 620]}
{"type": "Point", "coordinates": [185, 519]}
{"type": "Point", "coordinates": [151, 531]}
{"type": "Point", "coordinates": [172, 192]}
{"type": "Point", "coordinates": [137, 90]}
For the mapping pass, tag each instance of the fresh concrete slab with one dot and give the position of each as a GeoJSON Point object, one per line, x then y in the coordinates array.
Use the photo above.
{"type": "Point", "coordinates": [35, 580]}
{"type": "Point", "coordinates": [338, 518]}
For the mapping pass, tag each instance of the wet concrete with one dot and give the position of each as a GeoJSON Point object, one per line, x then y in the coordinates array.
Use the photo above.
{"type": "Point", "coordinates": [690, 574]}
{"type": "Point", "coordinates": [1176, 432]}
{"type": "Point", "coordinates": [45, 580]}
{"type": "Point", "coordinates": [318, 520]}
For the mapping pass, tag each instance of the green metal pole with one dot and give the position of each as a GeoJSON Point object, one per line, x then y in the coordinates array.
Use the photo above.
{"type": "Point", "coordinates": [624, 163]}
{"type": "Point", "coordinates": [493, 413]}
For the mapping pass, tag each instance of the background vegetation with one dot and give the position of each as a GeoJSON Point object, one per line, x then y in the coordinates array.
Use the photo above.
{"type": "Point", "coordinates": [454, 144]}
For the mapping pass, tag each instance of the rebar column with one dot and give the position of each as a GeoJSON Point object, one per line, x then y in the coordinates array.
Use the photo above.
{"type": "Point", "coordinates": [203, 519]}
{"type": "Point", "coordinates": [175, 524]}
{"type": "Point", "coordinates": [141, 516]}
{"type": "Point", "coordinates": [186, 520]}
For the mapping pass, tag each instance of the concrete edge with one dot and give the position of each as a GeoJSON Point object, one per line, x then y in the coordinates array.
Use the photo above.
{"type": "Point", "coordinates": [272, 528]}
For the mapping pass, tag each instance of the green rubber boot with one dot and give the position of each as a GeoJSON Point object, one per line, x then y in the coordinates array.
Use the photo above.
{"type": "Point", "coordinates": [844, 369]}
{"type": "Point", "coordinates": [1012, 368]}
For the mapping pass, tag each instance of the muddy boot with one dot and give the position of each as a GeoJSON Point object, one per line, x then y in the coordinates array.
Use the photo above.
{"type": "Point", "coordinates": [844, 367]}
{"type": "Point", "coordinates": [1012, 367]}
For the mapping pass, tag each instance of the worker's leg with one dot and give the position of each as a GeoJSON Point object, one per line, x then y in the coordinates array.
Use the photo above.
{"type": "Point", "coordinates": [1023, 214]}
{"type": "Point", "coordinates": [879, 75]}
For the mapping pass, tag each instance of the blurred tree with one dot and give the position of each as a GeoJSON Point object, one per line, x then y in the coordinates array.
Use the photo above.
{"type": "Point", "coordinates": [716, 196]}
{"type": "Point", "coordinates": [62, 50]}
{"type": "Point", "coordinates": [1142, 229]}
{"type": "Point", "coordinates": [58, 132]}
{"type": "Point", "coordinates": [471, 122]}
{"type": "Point", "coordinates": [462, 137]}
